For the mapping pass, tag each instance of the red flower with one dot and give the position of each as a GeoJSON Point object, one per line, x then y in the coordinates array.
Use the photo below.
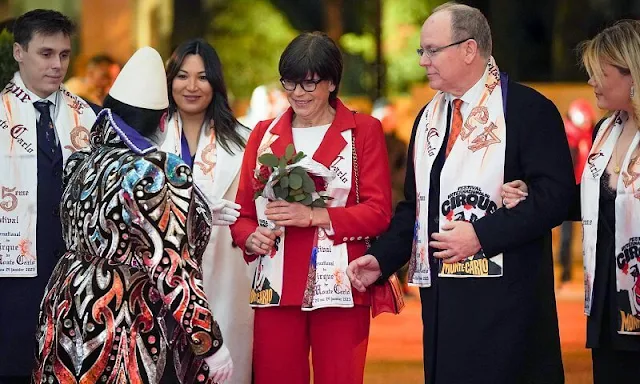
{"type": "Point", "coordinates": [260, 177]}
{"type": "Point", "coordinates": [321, 185]}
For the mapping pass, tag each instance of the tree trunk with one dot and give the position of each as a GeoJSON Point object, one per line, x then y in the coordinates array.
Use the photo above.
{"type": "Point", "coordinates": [333, 19]}
{"type": "Point", "coordinates": [190, 20]}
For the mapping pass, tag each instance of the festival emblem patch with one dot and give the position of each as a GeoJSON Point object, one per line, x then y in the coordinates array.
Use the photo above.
{"type": "Point", "coordinates": [469, 203]}
{"type": "Point", "coordinates": [79, 139]}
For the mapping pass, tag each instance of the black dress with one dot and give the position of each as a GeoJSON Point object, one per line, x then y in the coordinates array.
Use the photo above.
{"type": "Point", "coordinates": [615, 357]}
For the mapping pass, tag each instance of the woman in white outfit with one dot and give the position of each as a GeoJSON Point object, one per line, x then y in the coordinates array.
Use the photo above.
{"type": "Point", "coordinates": [201, 128]}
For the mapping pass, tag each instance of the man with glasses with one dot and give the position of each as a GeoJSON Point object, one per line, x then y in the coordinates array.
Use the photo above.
{"type": "Point", "coordinates": [485, 273]}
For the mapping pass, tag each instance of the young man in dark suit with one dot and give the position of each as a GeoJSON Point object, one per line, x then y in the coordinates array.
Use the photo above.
{"type": "Point", "coordinates": [486, 273]}
{"type": "Point", "coordinates": [42, 125]}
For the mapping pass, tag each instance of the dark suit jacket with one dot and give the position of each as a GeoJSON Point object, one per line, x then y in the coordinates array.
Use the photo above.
{"type": "Point", "coordinates": [497, 330]}
{"type": "Point", "coordinates": [20, 297]}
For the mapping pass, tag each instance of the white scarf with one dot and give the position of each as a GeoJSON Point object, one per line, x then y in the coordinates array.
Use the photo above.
{"type": "Point", "coordinates": [206, 153]}
{"type": "Point", "coordinates": [19, 164]}
{"type": "Point", "coordinates": [327, 282]}
{"type": "Point", "coordinates": [470, 180]}
{"type": "Point", "coordinates": [627, 222]}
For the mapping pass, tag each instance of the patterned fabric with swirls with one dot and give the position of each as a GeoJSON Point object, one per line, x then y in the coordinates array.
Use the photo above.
{"type": "Point", "coordinates": [135, 228]}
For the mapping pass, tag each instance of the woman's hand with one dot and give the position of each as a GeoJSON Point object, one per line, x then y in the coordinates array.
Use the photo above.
{"type": "Point", "coordinates": [287, 214]}
{"type": "Point", "coordinates": [262, 240]}
{"type": "Point", "coordinates": [224, 212]}
{"type": "Point", "coordinates": [513, 193]}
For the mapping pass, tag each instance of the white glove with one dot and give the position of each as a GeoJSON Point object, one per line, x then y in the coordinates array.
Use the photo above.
{"type": "Point", "coordinates": [224, 212]}
{"type": "Point", "coordinates": [220, 365]}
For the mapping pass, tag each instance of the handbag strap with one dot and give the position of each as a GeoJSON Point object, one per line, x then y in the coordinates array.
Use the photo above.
{"type": "Point", "coordinates": [356, 172]}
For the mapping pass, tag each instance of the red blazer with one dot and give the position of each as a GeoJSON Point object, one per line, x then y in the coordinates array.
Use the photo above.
{"type": "Point", "coordinates": [351, 224]}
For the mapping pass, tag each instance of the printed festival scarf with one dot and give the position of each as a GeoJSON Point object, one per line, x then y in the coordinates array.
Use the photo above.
{"type": "Point", "coordinates": [627, 219]}
{"type": "Point", "coordinates": [327, 282]}
{"type": "Point", "coordinates": [19, 164]}
{"type": "Point", "coordinates": [206, 155]}
{"type": "Point", "coordinates": [470, 180]}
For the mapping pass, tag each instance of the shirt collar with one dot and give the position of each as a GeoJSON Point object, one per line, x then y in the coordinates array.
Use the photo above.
{"type": "Point", "coordinates": [53, 98]}
{"type": "Point", "coordinates": [474, 93]}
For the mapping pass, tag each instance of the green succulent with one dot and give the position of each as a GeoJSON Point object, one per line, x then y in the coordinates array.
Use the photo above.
{"type": "Point", "coordinates": [8, 65]}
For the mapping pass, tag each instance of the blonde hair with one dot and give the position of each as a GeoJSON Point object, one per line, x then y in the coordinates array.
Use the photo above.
{"type": "Point", "coordinates": [618, 45]}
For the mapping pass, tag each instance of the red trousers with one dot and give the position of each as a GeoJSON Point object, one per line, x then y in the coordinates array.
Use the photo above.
{"type": "Point", "coordinates": [337, 337]}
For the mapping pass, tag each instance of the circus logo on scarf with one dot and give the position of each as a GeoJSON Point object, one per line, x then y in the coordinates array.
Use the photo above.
{"type": "Point", "coordinates": [468, 203]}
{"type": "Point", "coordinates": [628, 262]}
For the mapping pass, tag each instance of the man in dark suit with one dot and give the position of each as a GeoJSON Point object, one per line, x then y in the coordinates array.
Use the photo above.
{"type": "Point", "coordinates": [500, 328]}
{"type": "Point", "coordinates": [42, 127]}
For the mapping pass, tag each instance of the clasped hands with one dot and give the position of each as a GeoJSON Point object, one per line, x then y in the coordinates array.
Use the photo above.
{"type": "Point", "coordinates": [283, 214]}
{"type": "Point", "coordinates": [456, 242]}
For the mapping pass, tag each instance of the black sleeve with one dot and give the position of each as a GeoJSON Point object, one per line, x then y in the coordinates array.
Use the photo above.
{"type": "Point", "coordinates": [393, 248]}
{"type": "Point", "coordinates": [575, 213]}
{"type": "Point", "coordinates": [545, 162]}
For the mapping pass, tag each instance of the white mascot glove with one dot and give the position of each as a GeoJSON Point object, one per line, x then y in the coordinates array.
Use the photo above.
{"type": "Point", "coordinates": [220, 365]}
{"type": "Point", "coordinates": [224, 212]}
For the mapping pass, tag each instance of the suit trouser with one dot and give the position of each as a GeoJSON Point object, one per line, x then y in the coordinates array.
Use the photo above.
{"type": "Point", "coordinates": [337, 337]}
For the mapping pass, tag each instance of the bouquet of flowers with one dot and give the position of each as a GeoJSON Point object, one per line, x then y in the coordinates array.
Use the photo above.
{"type": "Point", "coordinates": [293, 177]}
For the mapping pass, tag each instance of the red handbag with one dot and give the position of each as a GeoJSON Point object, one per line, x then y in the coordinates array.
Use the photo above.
{"type": "Point", "coordinates": [386, 297]}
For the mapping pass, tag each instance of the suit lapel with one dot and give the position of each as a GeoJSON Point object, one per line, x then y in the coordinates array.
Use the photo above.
{"type": "Point", "coordinates": [282, 129]}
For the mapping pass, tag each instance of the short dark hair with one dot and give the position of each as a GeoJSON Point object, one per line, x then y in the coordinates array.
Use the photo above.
{"type": "Point", "coordinates": [312, 53]}
{"type": "Point", "coordinates": [145, 121]}
{"type": "Point", "coordinates": [219, 111]}
{"type": "Point", "coordinates": [45, 21]}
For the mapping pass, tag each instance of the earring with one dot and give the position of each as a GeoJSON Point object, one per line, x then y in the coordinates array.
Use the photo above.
{"type": "Point", "coordinates": [633, 91]}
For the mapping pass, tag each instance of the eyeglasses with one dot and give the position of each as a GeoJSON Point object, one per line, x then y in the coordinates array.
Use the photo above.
{"type": "Point", "coordinates": [430, 52]}
{"type": "Point", "coordinates": [306, 85]}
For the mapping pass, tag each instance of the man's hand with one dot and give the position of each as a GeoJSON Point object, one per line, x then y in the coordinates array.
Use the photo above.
{"type": "Point", "coordinates": [286, 214]}
{"type": "Point", "coordinates": [363, 272]}
{"type": "Point", "coordinates": [456, 242]}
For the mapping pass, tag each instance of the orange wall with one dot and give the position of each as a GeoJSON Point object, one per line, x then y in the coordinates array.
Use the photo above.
{"type": "Point", "coordinates": [107, 27]}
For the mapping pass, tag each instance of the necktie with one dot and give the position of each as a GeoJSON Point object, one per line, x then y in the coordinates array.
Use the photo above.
{"type": "Point", "coordinates": [456, 125]}
{"type": "Point", "coordinates": [45, 126]}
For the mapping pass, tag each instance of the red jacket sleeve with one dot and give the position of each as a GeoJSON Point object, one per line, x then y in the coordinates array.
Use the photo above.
{"type": "Point", "coordinates": [372, 216]}
{"type": "Point", "coordinates": [248, 220]}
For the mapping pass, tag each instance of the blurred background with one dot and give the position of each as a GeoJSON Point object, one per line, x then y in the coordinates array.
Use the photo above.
{"type": "Point", "coordinates": [534, 41]}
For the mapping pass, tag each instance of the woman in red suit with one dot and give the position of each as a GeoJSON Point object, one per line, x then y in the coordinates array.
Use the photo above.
{"type": "Point", "coordinates": [302, 296]}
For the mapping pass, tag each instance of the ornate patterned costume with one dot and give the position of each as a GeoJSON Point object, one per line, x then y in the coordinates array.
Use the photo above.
{"type": "Point", "coordinates": [135, 228]}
